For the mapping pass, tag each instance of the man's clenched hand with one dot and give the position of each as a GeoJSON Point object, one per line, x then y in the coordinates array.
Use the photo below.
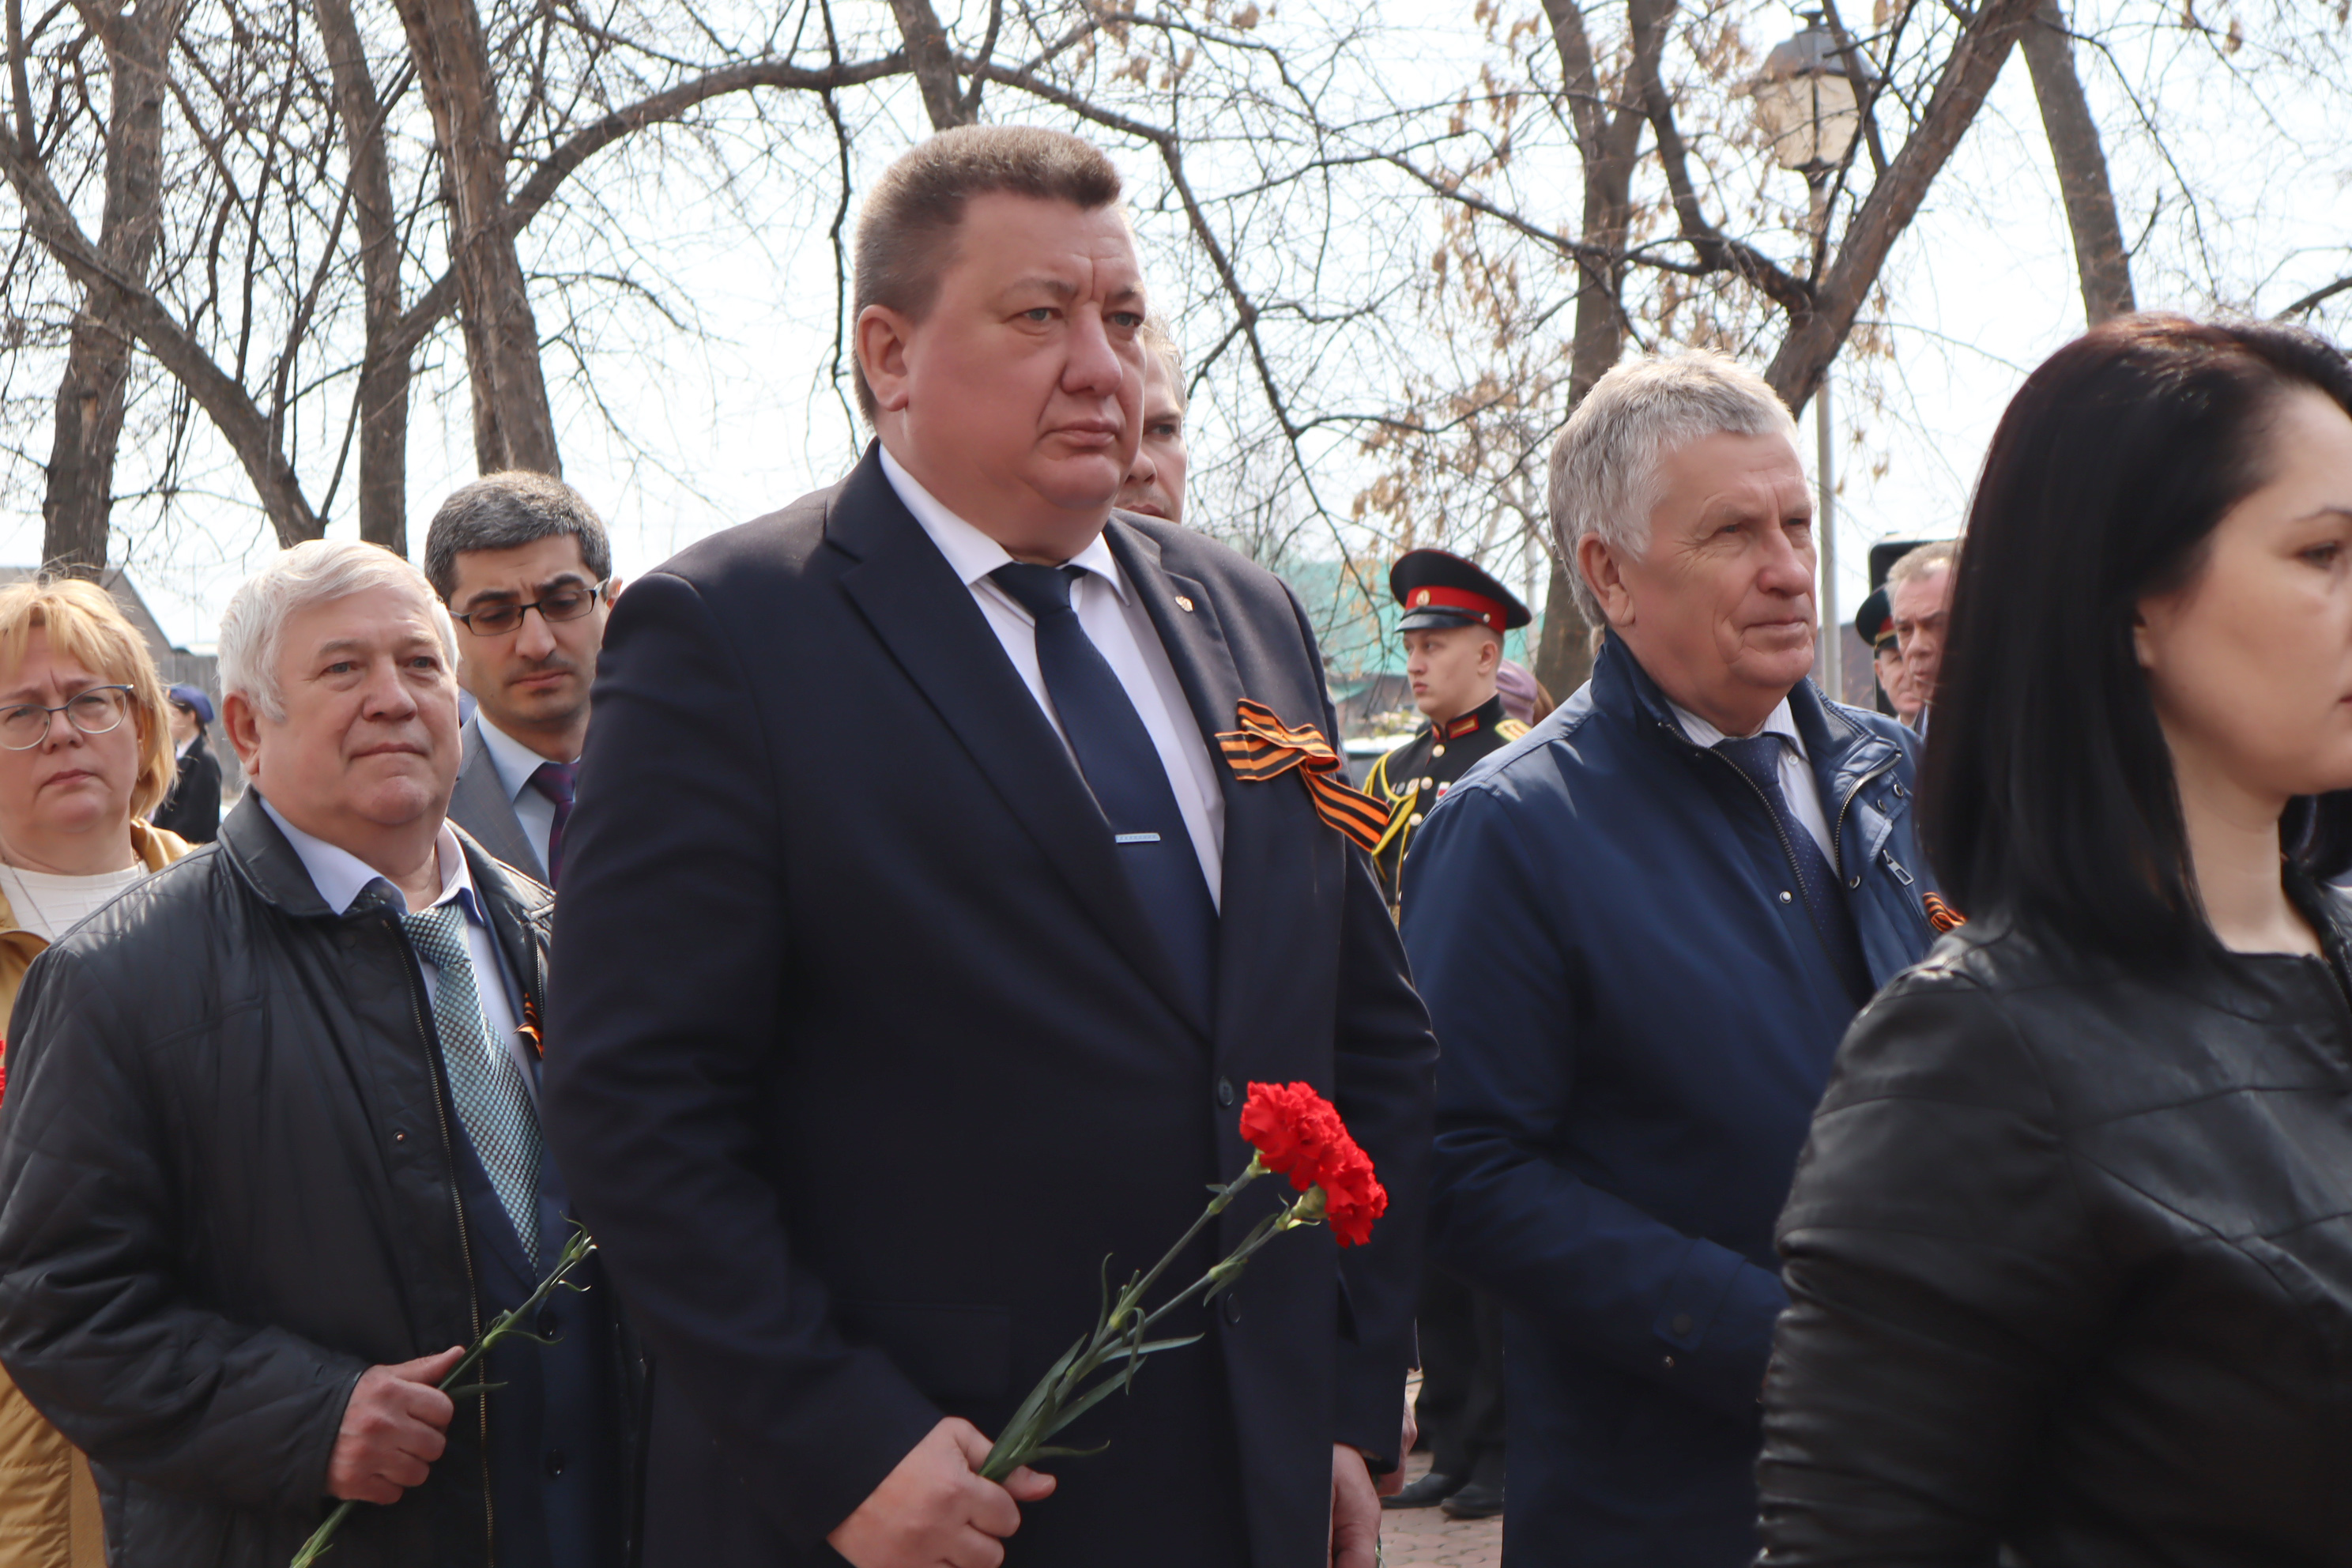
{"type": "Point", "coordinates": [393, 1429]}
{"type": "Point", "coordinates": [934, 1510]}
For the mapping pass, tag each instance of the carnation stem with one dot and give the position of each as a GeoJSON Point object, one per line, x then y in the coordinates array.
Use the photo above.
{"type": "Point", "coordinates": [574, 1252]}
{"type": "Point", "coordinates": [1062, 1402]}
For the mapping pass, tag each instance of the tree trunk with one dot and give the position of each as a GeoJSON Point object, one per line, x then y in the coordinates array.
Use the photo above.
{"type": "Point", "coordinates": [2100, 260]}
{"type": "Point", "coordinates": [513, 427]}
{"type": "Point", "coordinates": [1608, 146]}
{"type": "Point", "coordinates": [385, 367]}
{"type": "Point", "coordinates": [1816, 335]}
{"type": "Point", "coordinates": [933, 64]}
{"type": "Point", "coordinates": [90, 397]}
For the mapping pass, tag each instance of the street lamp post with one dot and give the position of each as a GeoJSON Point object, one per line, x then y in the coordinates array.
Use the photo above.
{"type": "Point", "coordinates": [1806, 107]}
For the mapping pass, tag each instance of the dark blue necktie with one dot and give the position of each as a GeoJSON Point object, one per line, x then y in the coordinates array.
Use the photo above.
{"type": "Point", "coordinates": [1758, 758]}
{"type": "Point", "coordinates": [555, 780]}
{"type": "Point", "coordinates": [1122, 767]}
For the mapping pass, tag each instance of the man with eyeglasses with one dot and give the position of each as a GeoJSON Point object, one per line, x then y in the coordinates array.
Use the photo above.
{"type": "Point", "coordinates": [524, 565]}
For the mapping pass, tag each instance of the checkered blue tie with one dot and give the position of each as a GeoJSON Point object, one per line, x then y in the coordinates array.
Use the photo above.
{"type": "Point", "coordinates": [493, 1102]}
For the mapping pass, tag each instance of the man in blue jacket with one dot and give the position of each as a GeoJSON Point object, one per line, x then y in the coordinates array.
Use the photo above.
{"type": "Point", "coordinates": [1641, 931]}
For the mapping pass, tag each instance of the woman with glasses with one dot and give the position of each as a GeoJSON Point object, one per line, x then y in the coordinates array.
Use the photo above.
{"type": "Point", "coordinates": [85, 754]}
{"type": "Point", "coordinates": [2069, 1253]}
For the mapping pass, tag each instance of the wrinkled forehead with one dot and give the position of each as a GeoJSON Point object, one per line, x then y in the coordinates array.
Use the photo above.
{"type": "Point", "coordinates": [1726, 476]}
{"type": "Point", "coordinates": [383, 617]}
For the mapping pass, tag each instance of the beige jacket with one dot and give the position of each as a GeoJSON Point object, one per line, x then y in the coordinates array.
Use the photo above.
{"type": "Point", "coordinates": [48, 1505]}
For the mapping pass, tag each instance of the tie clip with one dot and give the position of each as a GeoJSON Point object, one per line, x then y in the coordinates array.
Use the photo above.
{"type": "Point", "coordinates": [1135, 838]}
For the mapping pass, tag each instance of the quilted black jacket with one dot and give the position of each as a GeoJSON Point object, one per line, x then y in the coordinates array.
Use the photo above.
{"type": "Point", "coordinates": [227, 1188]}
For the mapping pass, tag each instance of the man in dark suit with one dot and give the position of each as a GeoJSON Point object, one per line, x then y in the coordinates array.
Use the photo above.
{"type": "Point", "coordinates": [917, 947]}
{"type": "Point", "coordinates": [523, 562]}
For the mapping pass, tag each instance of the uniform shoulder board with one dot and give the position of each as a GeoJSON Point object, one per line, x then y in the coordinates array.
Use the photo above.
{"type": "Point", "coordinates": [1511, 729]}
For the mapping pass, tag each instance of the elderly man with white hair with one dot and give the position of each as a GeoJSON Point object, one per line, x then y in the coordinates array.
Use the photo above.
{"type": "Point", "coordinates": [271, 1145]}
{"type": "Point", "coordinates": [1641, 931]}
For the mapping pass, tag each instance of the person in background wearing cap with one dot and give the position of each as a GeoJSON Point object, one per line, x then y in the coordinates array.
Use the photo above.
{"type": "Point", "coordinates": [193, 809]}
{"type": "Point", "coordinates": [1874, 624]}
{"type": "Point", "coordinates": [1919, 596]}
{"type": "Point", "coordinates": [1455, 619]}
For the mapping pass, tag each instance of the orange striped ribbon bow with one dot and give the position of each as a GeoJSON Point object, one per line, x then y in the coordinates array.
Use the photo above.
{"type": "Point", "coordinates": [1941, 916]}
{"type": "Point", "coordinates": [1265, 748]}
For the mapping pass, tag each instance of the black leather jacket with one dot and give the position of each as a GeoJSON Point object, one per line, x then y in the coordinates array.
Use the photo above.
{"type": "Point", "coordinates": [2070, 1261]}
{"type": "Point", "coordinates": [226, 1156]}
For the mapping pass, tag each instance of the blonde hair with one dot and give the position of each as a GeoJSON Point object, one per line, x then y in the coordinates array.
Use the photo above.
{"type": "Point", "coordinates": [85, 624]}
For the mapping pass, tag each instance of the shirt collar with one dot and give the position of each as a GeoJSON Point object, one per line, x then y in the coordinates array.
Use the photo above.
{"type": "Point", "coordinates": [342, 877]}
{"type": "Point", "coordinates": [1781, 722]}
{"type": "Point", "coordinates": [971, 554]}
{"type": "Point", "coordinates": [515, 762]}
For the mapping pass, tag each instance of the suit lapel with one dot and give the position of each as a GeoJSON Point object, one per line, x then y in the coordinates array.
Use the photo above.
{"type": "Point", "coordinates": [480, 807]}
{"type": "Point", "coordinates": [903, 588]}
{"type": "Point", "coordinates": [1258, 816]}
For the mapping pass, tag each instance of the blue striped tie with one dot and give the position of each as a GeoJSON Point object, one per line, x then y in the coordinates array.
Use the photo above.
{"type": "Point", "coordinates": [493, 1102]}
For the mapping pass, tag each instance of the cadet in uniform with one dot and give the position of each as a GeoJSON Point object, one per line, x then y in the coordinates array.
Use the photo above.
{"type": "Point", "coordinates": [1455, 618]}
{"type": "Point", "coordinates": [1453, 623]}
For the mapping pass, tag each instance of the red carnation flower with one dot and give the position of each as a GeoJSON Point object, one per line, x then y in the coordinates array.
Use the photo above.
{"type": "Point", "coordinates": [1295, 1129]}
{"type": "Point", "coordinates": [1299, 1134]}
{"type": "Point", "coordinates": [1353, 1197]}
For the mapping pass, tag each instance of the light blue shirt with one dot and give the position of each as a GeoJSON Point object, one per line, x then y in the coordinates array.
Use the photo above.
{"type": "Point", "coordinates": [515, 763]}
{"type": "Point", "coordinates": [340, 877]}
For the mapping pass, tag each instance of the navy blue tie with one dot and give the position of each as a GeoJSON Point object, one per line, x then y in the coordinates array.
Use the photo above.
{"type": "Point", "coordinates": [1122, 767]}
{"type": "Point", "coordinates": [1758, 758]}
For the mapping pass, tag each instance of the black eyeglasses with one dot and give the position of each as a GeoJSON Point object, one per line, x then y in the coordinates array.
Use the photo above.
{"type": "Point", "coordinates": [567, 603]}
{"type": "Point", "coordinates": [24, 725]}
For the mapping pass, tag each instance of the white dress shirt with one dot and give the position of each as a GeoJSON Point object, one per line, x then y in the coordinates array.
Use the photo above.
{"type": "Point", "coordinates": [1797, 781]}
{"type": "Point", "coordinates": [515, 763]}
{"type": "Point", "coordinates": [340, 877]}
{"type": "Point", "coordinates": [1121, 629]}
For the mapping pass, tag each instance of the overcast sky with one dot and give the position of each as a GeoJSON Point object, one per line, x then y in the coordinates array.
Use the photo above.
{"type": "Point", "coordinates": [744, 419]}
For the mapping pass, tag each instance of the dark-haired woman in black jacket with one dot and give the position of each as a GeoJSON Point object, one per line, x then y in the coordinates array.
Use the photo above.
{"type": "Point", "coordinates": [2070, 1251]}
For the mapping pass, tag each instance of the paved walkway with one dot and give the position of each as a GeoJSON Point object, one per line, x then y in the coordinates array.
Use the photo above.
{"type": "Point", "coordinates": [1425, 1538]}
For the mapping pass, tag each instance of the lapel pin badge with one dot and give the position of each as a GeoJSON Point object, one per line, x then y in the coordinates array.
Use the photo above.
{"type": "Point", "coordinates": [1184, 604]}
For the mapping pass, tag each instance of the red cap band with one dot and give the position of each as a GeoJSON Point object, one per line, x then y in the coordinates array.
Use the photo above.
{"type": "Point", "coordinates": [1478, 604]}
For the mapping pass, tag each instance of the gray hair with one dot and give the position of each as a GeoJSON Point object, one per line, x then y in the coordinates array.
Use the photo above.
{"type": "Point", "coordinates": [1605, 466]}
{"type": "Point", "coordinates": [1933, 556]}
{"type": "Point", "coordinates": [315, 572]}
{"type": "Point", "coordinates": [499, 511]}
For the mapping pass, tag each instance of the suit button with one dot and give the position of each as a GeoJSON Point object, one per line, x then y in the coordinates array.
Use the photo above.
{"type": "Point", "coordinates": [1857, 881]}
{"type": "Point", "coordinates": [547, 1326]}
{"type": "Point", "coordinates": [1414, 821]}
{"type": "Point", "coordinates": [1437, 751]}
{"type": "Point", "coordinates": [1232, 1307]}
{"type": "Point", "coordinates": [1225, 1091]}
{"type": "Point", "coordinates": [1784, 895]}
{"type": "Point", "coordinates": [1670, 1363]}
{"type": "Point", "coordinates": [1682, 1323]}
{"type": "Point", "coordinates": [555, 1463]}
{"type": "Point", "coordinates": [398, 1137]}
